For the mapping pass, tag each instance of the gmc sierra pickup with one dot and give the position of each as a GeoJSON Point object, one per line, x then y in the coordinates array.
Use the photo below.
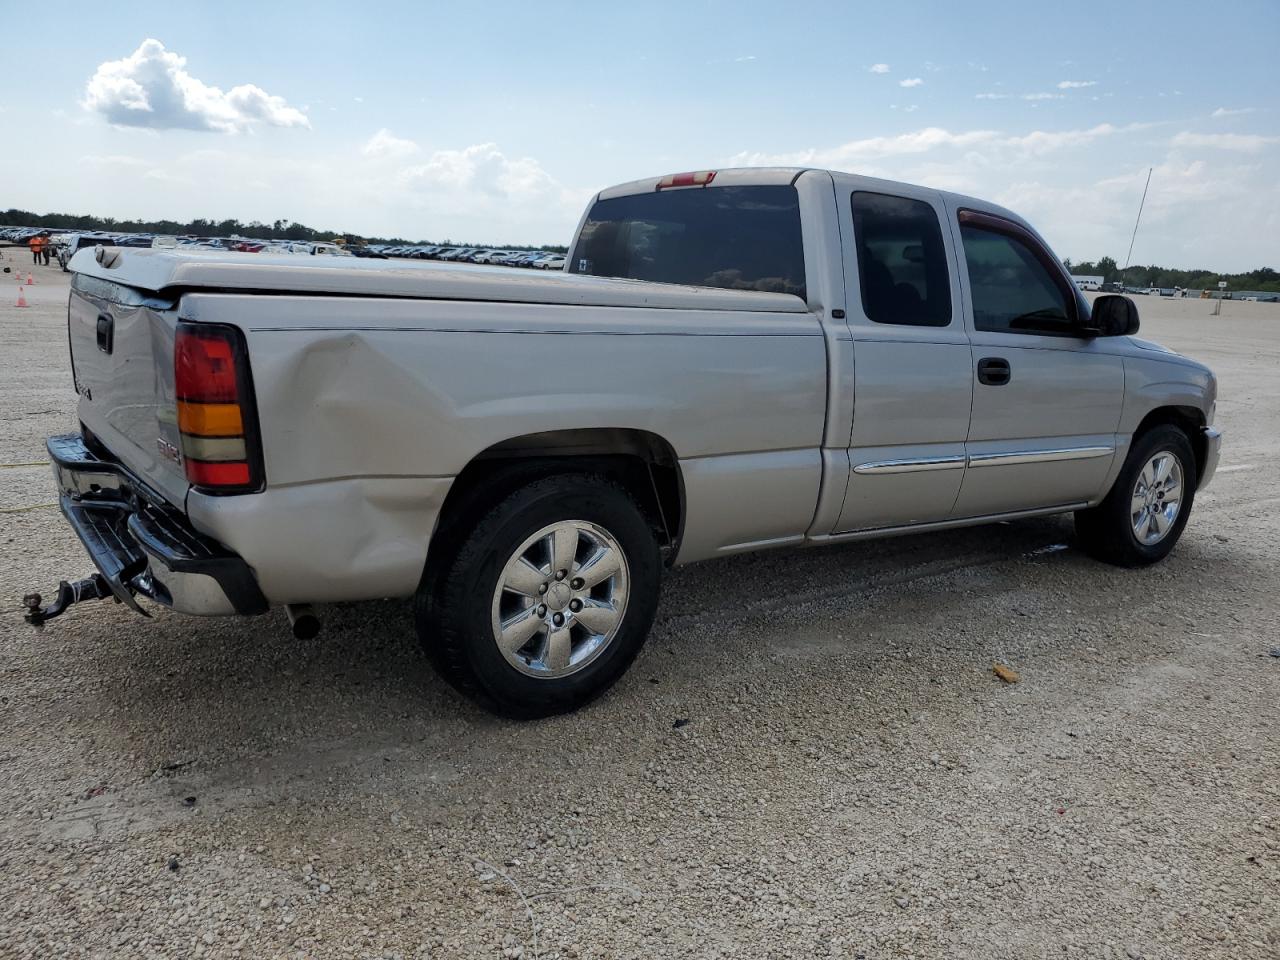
{"type": "Point", "coordinates": [730, 361]}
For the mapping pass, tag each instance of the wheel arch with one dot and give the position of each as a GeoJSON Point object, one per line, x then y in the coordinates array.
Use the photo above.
{"type": "Point", "coordinates": [642, 461]}
{"type": "Point", "coordinates": [1190, 420]}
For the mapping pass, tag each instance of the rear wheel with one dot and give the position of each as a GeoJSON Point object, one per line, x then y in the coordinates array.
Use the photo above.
{"type": "Point", "coordinates": [1143, 516]}
{"type": "Point", "coordinates": [545, 602]}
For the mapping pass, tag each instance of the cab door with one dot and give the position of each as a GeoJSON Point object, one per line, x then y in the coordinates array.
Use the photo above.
{"type": "Point", "coordinates": [913, 381]}
{"type": "Point", "coordinates": [1046, 400]}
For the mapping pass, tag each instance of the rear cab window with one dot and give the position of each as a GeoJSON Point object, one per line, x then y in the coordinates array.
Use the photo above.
{"type": "Point", "coordinates": [735, 238]}
{"type": "Point", "coordinates": [902, 262]}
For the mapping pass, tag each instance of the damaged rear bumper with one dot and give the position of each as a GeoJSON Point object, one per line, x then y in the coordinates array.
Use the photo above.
{"type": "Point", "coordinates": [142, 546]}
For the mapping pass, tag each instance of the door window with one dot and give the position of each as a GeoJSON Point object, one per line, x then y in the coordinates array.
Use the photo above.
{"type": "Point", "coordinates": [902, 263]}
{"type": "Point", "coordinates": [1011, 289]}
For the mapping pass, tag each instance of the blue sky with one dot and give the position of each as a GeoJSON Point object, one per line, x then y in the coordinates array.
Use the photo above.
{"type": "Point", "coordinates": [496, 122]}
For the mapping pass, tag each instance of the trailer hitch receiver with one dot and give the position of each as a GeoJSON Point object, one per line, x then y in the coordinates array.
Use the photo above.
{"type": "Point", "coordinates": [90, 588]}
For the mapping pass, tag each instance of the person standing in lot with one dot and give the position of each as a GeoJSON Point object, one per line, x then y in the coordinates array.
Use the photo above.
{"type": "Point", "coordinates": [37, 244]}
{"type": "Point", "coordinates": [44, 248]}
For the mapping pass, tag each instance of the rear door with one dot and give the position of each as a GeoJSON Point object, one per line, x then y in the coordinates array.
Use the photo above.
{"type": "Point", "coordinates": [122, 361]}
{"type": "Point", "coordinates": [1046, 401]}
{"type": "Point", "coordinates": [912, 374]}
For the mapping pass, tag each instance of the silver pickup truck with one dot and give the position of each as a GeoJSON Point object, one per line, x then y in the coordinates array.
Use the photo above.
{"type": "Point", "coordinates": [731, 360]}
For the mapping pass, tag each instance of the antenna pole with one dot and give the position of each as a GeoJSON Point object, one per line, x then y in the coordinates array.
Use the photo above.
{"type": "Point", "coordinates": [1129, 256]}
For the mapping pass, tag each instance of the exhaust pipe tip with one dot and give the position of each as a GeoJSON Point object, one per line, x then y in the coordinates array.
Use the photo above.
{"type": "Point", "coordinates": [302, 620]}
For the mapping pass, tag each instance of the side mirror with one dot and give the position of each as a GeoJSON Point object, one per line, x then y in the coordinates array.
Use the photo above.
{"type": "Point", "coordinates": [1112, 316]}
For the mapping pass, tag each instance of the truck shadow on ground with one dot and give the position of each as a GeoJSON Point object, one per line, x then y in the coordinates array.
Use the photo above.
{"type": "Point", "coordinates": [240, 702]}
{"type": "Point", "coordinates": [367, 656]}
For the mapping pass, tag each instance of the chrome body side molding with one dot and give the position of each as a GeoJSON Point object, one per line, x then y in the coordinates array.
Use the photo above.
{"type": "Point", "coordinates": [1039, 456]}
{"type": "Point", "coordinates": [910, 466]}
{"type": "Point", "coordinates": [923, 464]}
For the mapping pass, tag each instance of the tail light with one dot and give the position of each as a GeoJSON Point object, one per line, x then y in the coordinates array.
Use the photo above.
{"type": "Point", "coordinates": [699, 178]}
{"type": "Point", "coordinates": [220, 446]}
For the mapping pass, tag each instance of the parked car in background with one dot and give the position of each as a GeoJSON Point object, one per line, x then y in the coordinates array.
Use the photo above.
{"type": "Point", "coordinates": [67, 245]}
{"type": "Point", "coordinates": [323, 249]}
{"type": "Point", "coordinates": [553, 262]}
{"type": "Point", "coordinates": [459, 253]}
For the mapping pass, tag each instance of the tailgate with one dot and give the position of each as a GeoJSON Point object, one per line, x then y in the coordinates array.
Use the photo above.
{"type": "Point", "coordinates": [122, 360]}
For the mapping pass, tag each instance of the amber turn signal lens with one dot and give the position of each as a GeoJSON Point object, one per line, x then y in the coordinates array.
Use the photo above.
{"type": "Point", "coordinates": [210, 419]}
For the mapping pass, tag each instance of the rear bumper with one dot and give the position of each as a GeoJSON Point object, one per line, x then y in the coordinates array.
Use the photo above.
{"type": "Point", "coordinates": [142, 546]}
{"type": "Point", "coordinates": [1212, 452]}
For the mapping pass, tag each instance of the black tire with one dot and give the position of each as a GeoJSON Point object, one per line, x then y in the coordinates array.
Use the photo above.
{"type": "Point", "coordinates": [454, 606]}
{"type": "Point", "coordinates": [1106, 532]}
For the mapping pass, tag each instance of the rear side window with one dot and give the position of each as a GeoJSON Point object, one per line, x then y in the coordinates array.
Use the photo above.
{"type": "Point", "coordinates": [1012, 291]}
{"type": "Point", "coordinates": [902, 264]}
{"type": "Point", "coordinates": [738, 238]}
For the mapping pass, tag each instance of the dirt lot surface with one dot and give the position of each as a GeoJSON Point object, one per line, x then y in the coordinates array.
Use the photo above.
{"type": "Point", "coordinates": [811, 757]}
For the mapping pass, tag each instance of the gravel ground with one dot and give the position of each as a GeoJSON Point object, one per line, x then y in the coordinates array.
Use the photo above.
{"type": "Point", "coordinates": [811, 757]}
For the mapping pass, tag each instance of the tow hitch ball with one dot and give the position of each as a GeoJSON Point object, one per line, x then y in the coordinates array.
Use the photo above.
{"type": "Point", "coordinates": [91, 588]}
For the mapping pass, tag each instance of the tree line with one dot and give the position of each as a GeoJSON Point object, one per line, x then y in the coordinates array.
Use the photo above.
{"type": "Point", "coordinates": [254, 229]}
{"type": "Point", "coordinates": [1264, 280]}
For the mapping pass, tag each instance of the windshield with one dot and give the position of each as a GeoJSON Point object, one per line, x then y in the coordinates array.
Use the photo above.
{"type": "Point", "coordinates": [738, 238]}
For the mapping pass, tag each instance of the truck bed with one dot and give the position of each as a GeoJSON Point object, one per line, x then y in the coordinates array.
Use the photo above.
{"type": "Point", "coordinates": [179, 270]}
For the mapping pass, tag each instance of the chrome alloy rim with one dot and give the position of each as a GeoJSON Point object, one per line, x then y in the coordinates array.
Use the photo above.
{"type": "Point", "coordinates": [560, 599]}
{"type": "Point", "coordinates": [1157, 498]}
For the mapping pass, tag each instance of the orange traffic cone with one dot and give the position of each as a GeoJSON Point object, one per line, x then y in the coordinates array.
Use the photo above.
{"type": "Point", "coordinates": [22, 298]}
{"type": "Point", "coordinates": [30, 278]}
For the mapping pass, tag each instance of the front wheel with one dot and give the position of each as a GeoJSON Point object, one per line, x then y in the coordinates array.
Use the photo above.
{"type": "Point", "coordinates": [547, 600]}
{"type": "Point", "coordinates": [1143, 516]}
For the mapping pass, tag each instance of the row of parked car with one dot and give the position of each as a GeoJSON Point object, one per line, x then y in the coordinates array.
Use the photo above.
{"type": "Point", "coordinates": [534, 259]}
{"type": "Point", "coordinates": [21, 235]}
{"type": "Point", "coordinates": [66, 244]}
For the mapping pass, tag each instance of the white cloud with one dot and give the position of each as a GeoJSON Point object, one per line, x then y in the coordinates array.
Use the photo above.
{"type": "Point", "coordinates": [1039, 142]}
{"type": "Point", "coordinates": [112, 160]}
{"type": "Point", "coordinates": [482, 168]}
{"type": "Point", "coordinates": [1076, 84]}
{"type": "Point", "coordinates": [1197, 214]}
{"type": "Point", "coordinates": [879, 68]}
{"type": "Point", "coordinates": [870, 149]}
{"type": "Point", "coordinates": [992, 96]}
{"type": "Point", "coordinates": [1230, 112]}
{"type": "Point", "coordinates": [1203, 210]}
{"type": "Point", "coordinates": [384, 144]}
{"type": "Point", "coordinates": [1240, 142]}
{"type": "Point", "coordinates": [1042, 96]}
{"type": "Point", "coordinates": [478, 193]}
{"type": "Point", "coordinates": [746, 59]}
{"type": "Point", "coordinates": [151, 88]}
{"type": "Point", "coordinates": [910, 82]}
{"type": "Point", "coordinates": [992, 143]}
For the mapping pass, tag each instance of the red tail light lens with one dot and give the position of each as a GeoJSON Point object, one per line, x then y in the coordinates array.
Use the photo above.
{"type": "Point", "coordinates": [205, 366]}
{"type": "Point", "coordinates": [220, 447]}
{"type": "Point", "coordinates": [699, 178]}
{"type": "Point", "coordinates": [204, 473]}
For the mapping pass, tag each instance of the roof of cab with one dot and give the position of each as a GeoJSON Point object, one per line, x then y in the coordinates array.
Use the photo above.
{"type": "Point", "coordinates": [732, 177]}
{"type": "Point", "coordinates": [757, 176]}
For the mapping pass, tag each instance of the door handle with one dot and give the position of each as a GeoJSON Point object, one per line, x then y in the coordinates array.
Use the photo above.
{"type": "Point", "coordinates": [106, 332]}
{"type": "Point", "coordinates": [994, 371]}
